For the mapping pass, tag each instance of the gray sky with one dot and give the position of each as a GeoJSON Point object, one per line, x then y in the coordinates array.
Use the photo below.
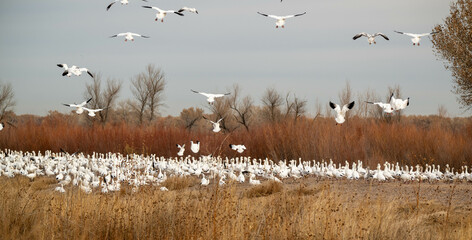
{"type": "Point", "coordinates": [227, 43]}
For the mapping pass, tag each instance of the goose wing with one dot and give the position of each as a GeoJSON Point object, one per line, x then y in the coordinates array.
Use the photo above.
{"type": "Point", "coordinates": [408, 34]}
{"type": "Point", "coordinates": [382, 35]}
{"type": "Point", "coordinates": [271, 16]}
{"type": "Point", "coordinates": [155, 8]}
{"type": "Point", "coordinates": [111, 4]}
{"type": "Point", "coordinates": [335, 106]}
{"type": "Point", "coordinates": [347, 107]}
{"type": "Point", "coordinates": [138, 35]}
{"type": "Point", "coordinates": [359, 35]}
{"type": "Point", "coordinates": [294, 15]}
{"type": "Point", "coordinates": [63, 65]}
{"type": "Point", "coordinates": [202, 93]}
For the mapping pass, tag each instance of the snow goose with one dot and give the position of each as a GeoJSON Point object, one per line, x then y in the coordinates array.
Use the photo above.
{"type": "Point", "coordinates": [399, 104]}
{"type": "Point", "coordinates": [386, 107]}
{"type": "Point", "coordinates": [92, 112]}
{"type": "Point", "coordinates": [2, 125]}
{"type": "Point", "coordinates": [195, 147]}
{"type": "Point", "coordinates": [181, 149]}
{"type": "Point", "coordinates": [254, 181]}
{"type": "Point", "coordinates": [211, 96]}
{"type": "Point", "coordinates": [161, 14]}
{"type": "Point", "coordinates": [370, 38]}
{"type": "Point", "coordinates": [341, 112]}
{"type": "Point", "coordinates": [205, 181]}
{"type": "Point", "coordinates": [80, 107]}
{"type": "Point", "coordinates": [239, 148]}
{"type": "Point", "coordinates": [60, 189]}
{"type": "Point", "coordinates": [192, 10]}
{"type": "Point", "coordinates": [123, 2]}
{"type": "Point", "coordinates": [416, 38]}
{"type": "Point", "coordinates": [281, 19]}
{"type": "Point", "coordinates": [216, 125]}
{"type": "Point", "coordinates": [77, 71]}
{"type": "Point", "coordinates": [128, 36]}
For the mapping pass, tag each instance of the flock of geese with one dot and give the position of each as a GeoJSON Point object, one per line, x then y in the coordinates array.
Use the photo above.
{"type": "Point", "coordinates": [108, 172]}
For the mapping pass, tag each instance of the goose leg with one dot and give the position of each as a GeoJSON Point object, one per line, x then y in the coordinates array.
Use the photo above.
{"type": "Point", "coordinates": [162, 20]}
{"type": "Point", "coordinates": [276, 26]}
{"type": "Point", "coordinates": [155, 19]}
{"type": "Point", "coordinates": [283, 26]}
{"type": "Point", "coordinates": [418, 44]}
{"type": "Point", "coordinates": [414, 44]}
{"type": "Point", "coordinates": [126, 40]}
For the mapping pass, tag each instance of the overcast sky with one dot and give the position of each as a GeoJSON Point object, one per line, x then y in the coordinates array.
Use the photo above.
{"type": "Point", "coordinates": [226, 43]}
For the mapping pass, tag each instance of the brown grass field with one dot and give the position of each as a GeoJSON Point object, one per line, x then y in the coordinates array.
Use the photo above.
{"type": "Point", "coordinates": [302, 209]}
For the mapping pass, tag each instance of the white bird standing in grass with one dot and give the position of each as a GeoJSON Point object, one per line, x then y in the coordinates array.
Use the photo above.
{"type": "Point", "coordinates": [123, 2]}
{"type": "Point", "coordinates": [128, 36]}
{"type": "Point", "coordinates": [370, 38]}
{"type": "Point", "coordinates": [416, 38]}
{"type": "Point", "coordinates": [192, 10]}
{"type": "Point", "coordinates": [211, 96]}
{"type": "Point", "coordinates": [195, 147]}
{"type": "Point", "coordinates": [205, 181]}
{"type": "Point", "coordinates": [216, 125]}
{"type": "Point", "coordinates": [386, 107]}
{"type": "Point", "coordinates": [399, 104]}
{"type": "Point", "coordinates": [281, 19]}
{"type": "Point", "coordinates": [181, 149]}
{"type": "Point", "coordinates": [77, 71]}
{"type": "Point", "coordinates": [341, 112]}
{"type": "Point", "coordinates": [161, 14]}
{"type": "Point", "coordinates": [80, 107]}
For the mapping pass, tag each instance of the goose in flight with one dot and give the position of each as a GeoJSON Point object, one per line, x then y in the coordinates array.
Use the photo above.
{"type": "Point", "coordinates": [239, 148]}
{"type": "Point", "coordinates": [192, 10]}
{"type": "Point", "coordinates": [77, 71]}
{"type": "Point", "coordinates": [92, 112]}
{"type": "Point", "coordinates": [216, 125]}
{"type": "Point", "coordinates": [123, 2]}
{"type": "Point", "coordinates": [386, 107]}
{"type": "Point", "coordinates": [2, 125]}
{"type": "Point", "coordinates": [129, 36]}
{"type": "Point", "coordinates": [416, 38]}
{"type": "Point", "coordinates": [211, 96]}
{"type": "Point", "coordinates": [195, 147]}
{"type": "Point", "coordinates": [181, 149]}
{"type": "Point", "coordinates": [161, 14]}
{"type": "Point", "coordinates": [399, 104]}
{"type": "Point", "coordinates": [80, 107]}
{"type": "Point", "coordinates": [341, 112]}
{"type": "Point", "coordinates": [370, 38]}
{"type": "Point", "coordinates": [281, 19]}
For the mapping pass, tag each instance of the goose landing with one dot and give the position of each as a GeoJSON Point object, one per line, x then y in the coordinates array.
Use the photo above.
{"type": "Point", "coordinates": [281, 19]}
{"type": "Point", "coordinates": [341, 112]}
{"type": "Point", "coordinates": [415, 37]}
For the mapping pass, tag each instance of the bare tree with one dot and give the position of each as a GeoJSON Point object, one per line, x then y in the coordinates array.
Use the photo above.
{"type": "Point", "coordinates": [243, 108]}
{"type": "Point", "coordinates": [147, 89]}
{"type": "Point", "coordinates": [299, 107]}
{"type": "Point", "coordinates": [103, 99]}
{"type": "Point", "coordinates": [155, 82]}
{"type": "Point", "coordinates": [453, 43]}
{"type": "Point", "coordinates": [141, 95]}
{"type": "Point", "coordinates": [6, 99]}
{"type": "Point", "coordinates": [190, 116]}
{"type": "Point", "coordinates": [442, 111]}
{"type": "Point", "coordinates": [272, 101]}
{"type": "Point", "coordinates": [221, 109]}
{"type": "Point", "coordinates": [368, 110]}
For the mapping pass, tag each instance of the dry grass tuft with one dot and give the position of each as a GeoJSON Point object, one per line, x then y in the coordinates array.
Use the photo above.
{"type": "Point", "coordinates": [264, 189]}
{"type": "Point", "coordinates": [179, 183]}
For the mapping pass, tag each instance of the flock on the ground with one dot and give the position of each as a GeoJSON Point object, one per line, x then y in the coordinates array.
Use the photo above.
{"type": "Point", "coordinates": [108, 172]}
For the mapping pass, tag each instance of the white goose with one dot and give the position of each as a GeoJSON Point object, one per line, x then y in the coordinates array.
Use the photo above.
{"type": "Point", "coordinates": [2, 125]}
{"type": "Point", "coordinates": [205, 181]}
{"type": "Point", "coordinates": [80, 107]}
{"type": "Point", "coordinates": [416, 38]}
{"type": "Point", "coordinates": [386, 107]}
{"type": "Point", "coordinates": [123, 2]}
{"type": "Point", "coordinates": [341, 112]}
{"type": "Point", "coordinates": [92, 112]}
{"type": "Point", "coordinates": [370, 38]}
{"type": "Point", "coordinates": [128, 36]}
{"type": "Point", "coordinates": [239, 148]}
{"type": "Point", "coordinates": [195, 147]}
{"type": "Point", "coordinates": [211, 96]}
{"type": "Point", "coordinates": [281, 19]}
{"type": "Point", "coordinates": [161, 14]}
{"type": "Point", "coordinates": [181, 149]}
{"type": "Point", "coordinates": [192, 10]}
{"type": "Point", "coordinates": [77, 71]}
{"type": "Point", "coordinates": [399, 104]}
{"type": "Point", "coordinates": [216, 125]}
